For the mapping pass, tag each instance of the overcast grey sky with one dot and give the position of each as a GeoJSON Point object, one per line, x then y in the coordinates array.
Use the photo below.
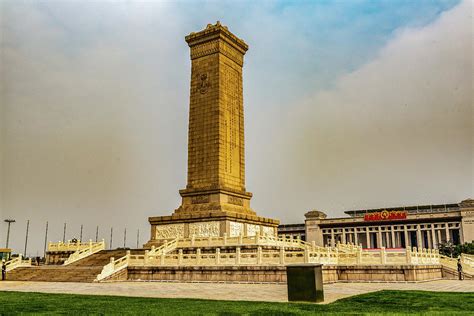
{"type": "Point", "coordinates": [347, 105]}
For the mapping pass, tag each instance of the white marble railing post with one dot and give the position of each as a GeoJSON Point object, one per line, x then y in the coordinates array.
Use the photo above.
{"type": "Point", "coordinates": [198, 256]}
{"type": "Point", "coordinates": [180, 257]}
{"type": "Point", "coordinates": [112, 263]}
{"type": "Point", "coordinates": [128, 257]}
{"type": "Point", "coordinates": [306, 255]}
{"type": "Point", "coordinates": [259, 255]}
{"type": "Point", "coordinates": [408, 255]}
{"type": "Point", "coordinates": [162, 259]}
{"type": "Point", "coordinates": [218, 256]}
{"type": "Point", "coordinates": [383, 254]}
{"type": "Point", "coordinates": [145, 259]}
{"type": "Point", "coordinates": [237, 255]}
{"type": "Point", "coordinates": [313, 244]}
{"type": "Point", "coordinates": [282, 255]}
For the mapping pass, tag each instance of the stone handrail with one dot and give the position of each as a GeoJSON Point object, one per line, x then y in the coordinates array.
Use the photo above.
{"type": "Point", "coordinates": [17, 262]}
{"type": "Point", "coordinates": [170, 254]}
{"type": "Point", "coordinates": [165, 248]}
{"type": "Point", "coordinates": [114, 266]}
{"type": "Point", "coordinates": [466, 261]}
{"type": "Point", "coordinates": [92, 248]}
{"type": "Point", "coordinates": [67, 246]}
{"type": "Point", "coordinates": [324, 255]}
{"type": "Point", "coordinates": [285, 241]}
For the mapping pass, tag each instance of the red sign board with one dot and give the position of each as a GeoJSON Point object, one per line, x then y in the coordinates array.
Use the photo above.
{"type": "Point", "coordinates": [385, 215]}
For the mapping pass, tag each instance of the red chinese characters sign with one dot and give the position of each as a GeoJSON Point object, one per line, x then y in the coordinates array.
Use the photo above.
{"type": "Point", "coordinates": [385, 215]}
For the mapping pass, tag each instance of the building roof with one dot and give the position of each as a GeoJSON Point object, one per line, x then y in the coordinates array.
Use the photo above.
{"type": "Point", "coordinates": [410, 209]}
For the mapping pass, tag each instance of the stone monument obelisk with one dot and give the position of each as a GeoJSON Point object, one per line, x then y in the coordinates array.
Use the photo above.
{"type": "Point", "coordinates": [215, 201]}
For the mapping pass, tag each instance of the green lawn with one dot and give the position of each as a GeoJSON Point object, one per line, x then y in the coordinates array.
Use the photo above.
{"type": "Point", "coordinates": [392, 302]}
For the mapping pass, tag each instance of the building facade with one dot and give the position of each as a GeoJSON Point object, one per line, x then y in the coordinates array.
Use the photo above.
{"type": "Point", "coordinates": [297, 231]}
{"type": "Point", "coordinates": [424, 226]}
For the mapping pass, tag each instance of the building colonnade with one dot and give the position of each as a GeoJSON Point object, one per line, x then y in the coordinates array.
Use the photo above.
{"type": "Point", "coordinates": [421, 235]}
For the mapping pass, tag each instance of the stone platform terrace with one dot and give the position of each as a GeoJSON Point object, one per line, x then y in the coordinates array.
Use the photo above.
{"type": "Point", "coordinates": [226, 291]}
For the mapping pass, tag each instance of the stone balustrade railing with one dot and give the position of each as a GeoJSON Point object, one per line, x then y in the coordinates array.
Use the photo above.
{"type": "Point", "coordinates": [172, 254]}
{"type": "Point", "coordinates": [114, 266]}
{"type": "Point", "coordinates": [67, 246]}
{"type": "Point", "coordinates": [263, 240]}
{"type": "Point", "coordinates": [92, 247]}
{"type": "Point", "coordinates": [280, 257]}
{"type": "Point", "coordinates": [466, 261]}
{"type": "Point", "coordinates": [17, 262]}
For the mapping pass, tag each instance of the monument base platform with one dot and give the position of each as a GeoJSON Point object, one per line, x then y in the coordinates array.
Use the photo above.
{"type": "Point", "coordinates": [208, 224]}
{"type": "Point", "coordinates": [277, 274]}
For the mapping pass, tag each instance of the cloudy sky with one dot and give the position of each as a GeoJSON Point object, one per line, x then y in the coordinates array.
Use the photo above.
{"type": "Point", "coordinates": [348, 104]}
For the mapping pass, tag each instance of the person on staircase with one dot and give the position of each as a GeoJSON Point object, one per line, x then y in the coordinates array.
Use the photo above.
{"type": "Point", "coordinates": [4, 270]}
{"type": "Point", "coordinates": [460, 269]}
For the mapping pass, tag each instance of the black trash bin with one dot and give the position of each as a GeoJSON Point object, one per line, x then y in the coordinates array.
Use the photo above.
{"type": "Point", "coordinates": [305, 282]}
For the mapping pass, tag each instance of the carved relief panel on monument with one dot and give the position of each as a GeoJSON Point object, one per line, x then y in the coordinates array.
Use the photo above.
{"type": "Point", "coordinates": [236, 229]}
{"type": "Point", "coordinates": [204, 229]}
{"type": "Point", "coordinates": [268, 231]}
{"type": "Point", "coordinates": [252, 229]}
{"type": "Point", "coordinates": [170, 231]}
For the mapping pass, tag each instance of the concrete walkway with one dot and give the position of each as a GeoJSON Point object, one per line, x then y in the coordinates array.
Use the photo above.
{"type": "Point", "coordinates": [225, 291]}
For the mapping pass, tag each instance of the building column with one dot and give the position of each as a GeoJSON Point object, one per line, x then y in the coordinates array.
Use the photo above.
{"type": "Point", "coordinates": [433, 236]}
{"type": "Point", "coordinates": [428, 235]}
{"type": "Point", "coordinates": [367, 236]}
{"type": "Point", "coordinates": [418, 237]}
{"type": "Point", "coordinates": [356, 239]}
{"type": "Point", "coordinates": [446, 227]}
{"type": "Point", "coordinates": [333, 244]}
{"type": "Point", "coordinates": [439, 236]}
{"type": "Point", "coordinates": [407, 240]}
{"type": "Point", "coordinates": [379, 237]}
{"type": "Point", "coordinates": [343, 235]}
{"type": "Point", "coordinates": [394, 245]}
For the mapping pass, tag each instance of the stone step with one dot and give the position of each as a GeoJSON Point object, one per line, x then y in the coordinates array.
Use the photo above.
{"type": "Point", "coordinates": [56, 274]}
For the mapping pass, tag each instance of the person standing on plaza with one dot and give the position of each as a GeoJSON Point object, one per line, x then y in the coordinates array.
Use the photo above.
{"type": "Point", "coordinates": [460, 269]}
{"type": "Point", "coordinates": [4, 270]}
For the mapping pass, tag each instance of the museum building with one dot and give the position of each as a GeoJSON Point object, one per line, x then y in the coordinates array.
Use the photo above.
{"type": "Point", "coordinates": [423, 226]}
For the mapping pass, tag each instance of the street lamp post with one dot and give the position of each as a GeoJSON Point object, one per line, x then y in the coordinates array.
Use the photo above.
{"type": "Point", "coordinates": [9, 221]}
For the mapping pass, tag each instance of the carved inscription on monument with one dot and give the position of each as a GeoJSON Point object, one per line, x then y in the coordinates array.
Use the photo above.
{"type": "Point", "coordinates": [232, 102]}
{"type": "Point", "coordinates": [199, 199]}
{"type": "Point", "coordinates": [169, 231]}
{"type": "Point", "coordinates": [204, 229]}
{"type": "Point", "coordinates": [235, 200]}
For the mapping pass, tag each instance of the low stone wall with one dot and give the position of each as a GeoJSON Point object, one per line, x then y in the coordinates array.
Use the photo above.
{"type": "Point", "coordinates": [277, 274]}
{"type": "Point", "coordinates": [389, 273]}
{"type": "Point", "coordinates": [57, 257]}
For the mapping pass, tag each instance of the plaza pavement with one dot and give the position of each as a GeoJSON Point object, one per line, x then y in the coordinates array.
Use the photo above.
{"type": "Point", "coordinates": [226, 291]}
